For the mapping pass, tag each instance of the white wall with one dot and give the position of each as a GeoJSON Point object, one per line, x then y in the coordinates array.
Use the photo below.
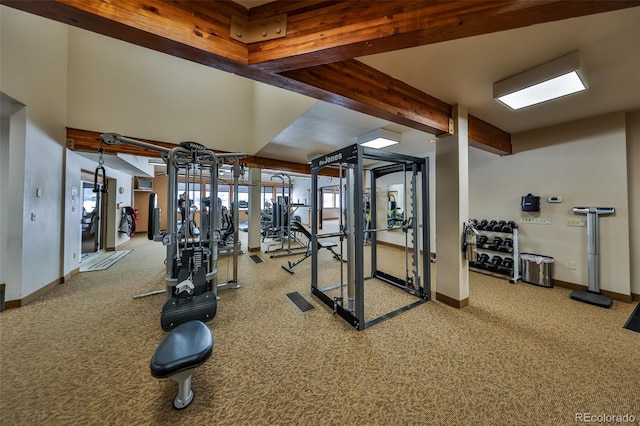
{"type": "Point", "coordinates": [274, 109]}
{"type": "Point", "coordinates": [118, 87]}
{"type": "Point", "coordinates": [584, 162]}
{"type": "Point", "coordinates": [74, 163]}
{"type": "Point", "coordinates": [15, 215]}
{"type": "Point", "coordinates": [301, 195]}
{"type": "Point", "coordinates": [633, 170]}
{"type": "Point", "coordinates": [34, 73]}
{"type": "Point", "coordinates": [72, 245]}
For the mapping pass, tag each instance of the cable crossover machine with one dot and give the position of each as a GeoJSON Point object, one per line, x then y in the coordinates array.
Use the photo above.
{"type": "Point", "coordinates": [354, 228]}
{"type": "Point", "coordinates": [192, 257]}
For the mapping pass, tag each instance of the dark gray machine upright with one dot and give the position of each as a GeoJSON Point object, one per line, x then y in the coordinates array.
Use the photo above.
{"type": "Point", "coordinates": [592, 295]}
{"type": "Point", "coordinates": [415, 225]}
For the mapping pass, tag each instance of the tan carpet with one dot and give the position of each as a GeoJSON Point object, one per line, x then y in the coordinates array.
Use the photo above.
{"type": "Point", "coordinates": [518, 355]}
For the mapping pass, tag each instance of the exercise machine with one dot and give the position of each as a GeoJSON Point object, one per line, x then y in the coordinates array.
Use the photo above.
{"type": "Point", "coordinates": [593, 295]}
{"type": "Point", "coordinates": [191, 265]}
{"type": "Point", "coordinates": [280, 227]}
{"type": "Point", "coordinates": [329, 245]}
{"type": "Point", "coordinates": [192, 259]}
{"type": "Point", "coordinates": [415, 225]}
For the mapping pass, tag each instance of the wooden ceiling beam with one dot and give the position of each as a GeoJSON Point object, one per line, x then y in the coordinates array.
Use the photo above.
{"type": "Point", "coordinates": [193, 30]}
{"type": "Point", "coordinates": [322, 32]}
{"type": "Point", "coordinates": [360, 87]}
{"type": "Point", "coordinates": [323, 37]}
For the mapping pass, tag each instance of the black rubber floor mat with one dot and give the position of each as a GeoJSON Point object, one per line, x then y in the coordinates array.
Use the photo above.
{"type": "Point", "coordinates": [256, 258]}
{"type": "Point", "coordinates": [300, 302]}
{"type": "Point", "coordinates": [633, 323]}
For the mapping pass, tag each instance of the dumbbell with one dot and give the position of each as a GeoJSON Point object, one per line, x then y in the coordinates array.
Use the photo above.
{"type": "Point", "coordinates": [495, 244]}
{"type": "Point", "coordinates": [506, 266]}
{"type": "Point", "coordinates": [482, 225]}
{"type": "Point", "coordinates": [506, 246]}
{"type": "Point", "coordinates": [494, 263]}
{"type": "Point", "coordinates": [509, 226]}
{"type": "Point", "coordinates": [498, 226]}
{"type": "Point", "coordinates": [482, 240]}
{"type": "Point", "coordinates": [479, 263]}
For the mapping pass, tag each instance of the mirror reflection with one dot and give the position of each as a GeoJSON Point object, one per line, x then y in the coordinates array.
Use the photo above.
{"type": "Point", "coordinates": [395, 204]}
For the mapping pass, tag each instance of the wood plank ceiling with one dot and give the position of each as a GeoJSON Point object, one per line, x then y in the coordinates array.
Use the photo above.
{"type": "Point", "coordinates": [316, 56]}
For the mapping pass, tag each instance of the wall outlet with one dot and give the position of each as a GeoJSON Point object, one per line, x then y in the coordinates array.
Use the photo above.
{"type": "Point", "coordinates": [572, 266]}
{"type": "Point", "coordinates": [74, 254]}
{"type": "Point", "coordinates": [536, 220]}
{"type": "Point", "coordinates": [576, 222]}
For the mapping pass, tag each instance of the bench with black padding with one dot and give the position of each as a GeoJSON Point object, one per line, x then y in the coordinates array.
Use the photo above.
{"type": "Point", "coordinates": [186, 347]}
{"type": "Point", "coordinates": [329, 245]}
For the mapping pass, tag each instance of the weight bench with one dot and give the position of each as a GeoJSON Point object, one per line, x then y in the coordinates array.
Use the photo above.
{"type": "Point", "coordinates": [186, 347]}
{"type": "Point", "coordinates": [329, 245]}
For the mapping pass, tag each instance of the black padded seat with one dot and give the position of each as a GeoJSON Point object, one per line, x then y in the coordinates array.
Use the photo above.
{"type": "Point", "coordinates": [187, 346]}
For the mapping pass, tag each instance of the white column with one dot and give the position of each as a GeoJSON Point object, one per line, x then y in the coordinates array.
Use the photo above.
{"type": "Point", "coordinates": [452, 211]}
{"type": "Point", "coordinates": [254, 209]}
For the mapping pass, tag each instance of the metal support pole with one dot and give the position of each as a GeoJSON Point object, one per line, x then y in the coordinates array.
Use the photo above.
{"type": "Point", "coordinates": [355, 226]}
{"type": "Point", "coordinates": [236, 237]}
{"type": "Point", "coordinates": [414, 226]}
{"type": "Point", "coordinates": [214, 222]}
{"type": "Point", "coordinates": [426, 230]}
{"type": "Point", "coordinates": [314, 229]}
{"type": "Point", "coordinates": [172, 240]}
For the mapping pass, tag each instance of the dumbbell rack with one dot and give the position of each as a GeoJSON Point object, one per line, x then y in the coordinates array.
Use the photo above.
{"type": "Point", "coordinates": [502, 232]}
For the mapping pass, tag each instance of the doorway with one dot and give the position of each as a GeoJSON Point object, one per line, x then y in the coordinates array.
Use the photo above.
{"type": "Point", "coordinates": [91, 222]}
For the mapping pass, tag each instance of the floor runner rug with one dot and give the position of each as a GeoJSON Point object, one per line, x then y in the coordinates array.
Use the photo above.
{"type": "Point", "coordinates": [103, 260]}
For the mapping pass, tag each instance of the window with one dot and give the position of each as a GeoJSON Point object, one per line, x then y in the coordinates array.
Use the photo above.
{"type": "Point", "coordinates": [266, 196]}
{"type": "Point", "coordinates": [223, 194]}
{"type": "Point", "coordinates": [243, 196]}
{"type": "Point", "coordinates": [194, 193]}
{"type": "Point", "coordinates": [329, 198]}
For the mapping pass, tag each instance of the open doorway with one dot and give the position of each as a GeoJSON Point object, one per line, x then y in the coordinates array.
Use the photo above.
{"type": "Point", "coordinates": [91, 222]}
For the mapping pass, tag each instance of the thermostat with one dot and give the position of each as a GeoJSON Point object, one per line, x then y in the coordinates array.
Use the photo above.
{"type": "Point", "coordinates": [555, 199]}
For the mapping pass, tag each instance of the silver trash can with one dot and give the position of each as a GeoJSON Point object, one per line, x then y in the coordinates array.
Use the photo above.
{"type": "Point", "coordinates": [536, 269]}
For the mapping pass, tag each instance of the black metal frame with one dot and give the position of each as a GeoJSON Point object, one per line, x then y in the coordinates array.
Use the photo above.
{"type": "Point", "coordinates": [353, 158]}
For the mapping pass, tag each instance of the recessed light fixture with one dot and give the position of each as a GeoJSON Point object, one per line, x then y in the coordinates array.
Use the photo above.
{"type": "Point", "coordinates": [557, 78]}
{"type": "Point", "coordinates": [379, 138]}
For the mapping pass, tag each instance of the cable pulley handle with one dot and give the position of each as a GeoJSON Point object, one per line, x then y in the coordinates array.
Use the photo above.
{"type": "Point", "coordinates": [96, 186]}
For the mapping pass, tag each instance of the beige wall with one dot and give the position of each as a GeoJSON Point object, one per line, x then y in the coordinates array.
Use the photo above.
{"type": "Point", "coordinates": [118, 87]}
{"type": "Point", "coordinates": [33, 72]}
{"type": "Point", "coordinates": [585, 163]}
{"type": "Point", "coordinates": [274, 109]}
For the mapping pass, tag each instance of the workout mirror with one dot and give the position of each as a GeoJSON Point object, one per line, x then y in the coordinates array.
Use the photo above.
{"type": "Point", "coordinates": [395, 203]}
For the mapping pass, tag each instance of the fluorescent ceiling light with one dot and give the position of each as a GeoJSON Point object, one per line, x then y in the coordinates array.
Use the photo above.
{"type": "Point", "coordinates": [379, 138]}
{"type": "Point", "coordinates": [560, 77]}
